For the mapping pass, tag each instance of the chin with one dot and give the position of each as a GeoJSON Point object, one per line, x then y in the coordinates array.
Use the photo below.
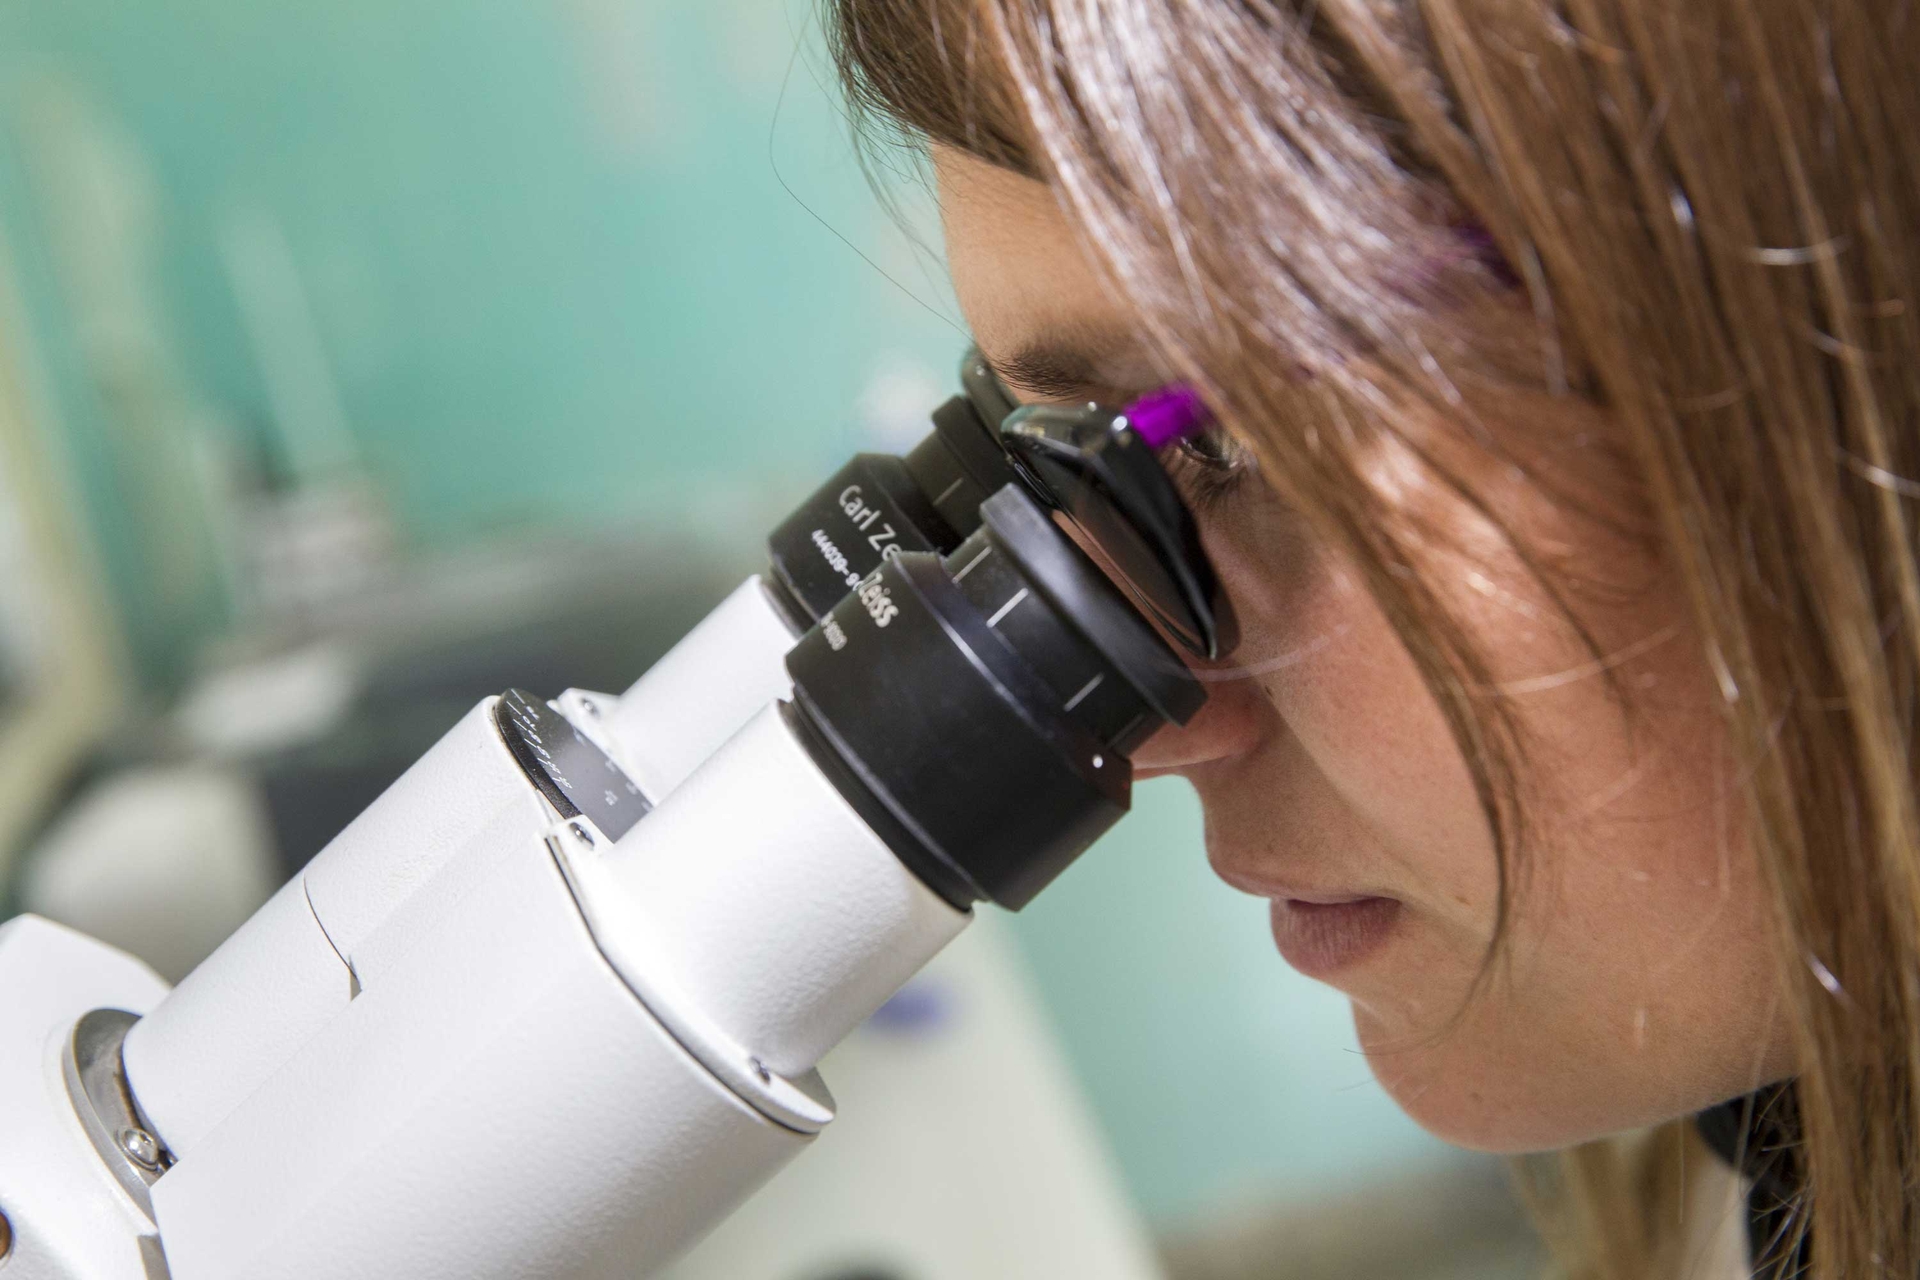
{"type": "Point", "coordinates": [1477, 1098]}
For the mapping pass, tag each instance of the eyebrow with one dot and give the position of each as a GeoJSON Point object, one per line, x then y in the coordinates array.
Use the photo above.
{"type": "Point", "coordinates": [1061, 368]}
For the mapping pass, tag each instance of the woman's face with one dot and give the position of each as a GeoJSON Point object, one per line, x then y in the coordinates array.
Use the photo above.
{"type": "Point", "coordinates": [1636, 983]}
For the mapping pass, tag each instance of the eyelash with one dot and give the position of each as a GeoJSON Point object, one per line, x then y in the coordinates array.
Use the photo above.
{"type": "Point", "coordinates": [1207, 469]}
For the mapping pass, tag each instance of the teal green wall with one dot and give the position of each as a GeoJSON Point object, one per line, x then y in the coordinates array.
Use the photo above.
{"type": "Point", "coordinates": [554, 269]}
{"type": "Point", "coordinates": [559, 282]}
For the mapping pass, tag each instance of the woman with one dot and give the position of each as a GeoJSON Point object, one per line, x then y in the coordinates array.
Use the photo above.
{"type": "Point", "coordinates": [1566, 362]}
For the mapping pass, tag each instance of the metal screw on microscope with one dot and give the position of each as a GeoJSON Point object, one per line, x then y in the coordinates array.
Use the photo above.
{"type": "Point", "coordinates": [140, 1147]}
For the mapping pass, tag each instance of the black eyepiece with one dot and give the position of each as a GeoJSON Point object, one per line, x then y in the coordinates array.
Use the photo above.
{"type": "Point", "coordinates": [979, 710]}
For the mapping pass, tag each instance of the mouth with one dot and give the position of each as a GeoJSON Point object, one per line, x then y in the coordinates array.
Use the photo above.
{"type": "Point", "coordinates": [1322, 938]}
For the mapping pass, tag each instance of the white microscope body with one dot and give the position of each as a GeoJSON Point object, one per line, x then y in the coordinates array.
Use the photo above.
{"type": "Point", "coordinates": [552, 1005]}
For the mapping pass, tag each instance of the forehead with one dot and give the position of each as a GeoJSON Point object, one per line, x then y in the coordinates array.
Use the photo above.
{"type": "Point", "coordinates": [1023, 278]}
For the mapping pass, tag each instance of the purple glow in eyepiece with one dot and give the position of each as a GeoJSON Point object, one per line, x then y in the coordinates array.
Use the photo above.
{"type": "Point", "coordinates": [1172, 413]}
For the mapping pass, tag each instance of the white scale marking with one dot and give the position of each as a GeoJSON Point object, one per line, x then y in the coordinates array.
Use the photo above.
{"type": "Point", "coordinates": [1085, 689]}
{"type": "Point", "coordinates": [968, 568]}
{"type": "Point", "coordinates": [1007, 608]}
{"type": "Point", "coordinates": [948, 491]}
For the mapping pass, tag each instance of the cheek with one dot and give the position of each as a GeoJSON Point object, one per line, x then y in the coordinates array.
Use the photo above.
{"type": "Point", "coordinates": [1636, 982]}
{"type": "Point", "coordinates": [1361, 744]}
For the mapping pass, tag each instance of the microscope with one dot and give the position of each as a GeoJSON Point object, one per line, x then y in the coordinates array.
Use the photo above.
{"type": "Point", "coordinates": [552, 1005]}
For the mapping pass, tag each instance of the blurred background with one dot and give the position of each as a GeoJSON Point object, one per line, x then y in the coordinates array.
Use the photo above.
{"type": "Point", "coordinates": [361, 360]}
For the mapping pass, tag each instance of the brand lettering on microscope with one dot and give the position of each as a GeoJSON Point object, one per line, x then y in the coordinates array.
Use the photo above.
{"type": "Point", "coordinates": [879, 601]}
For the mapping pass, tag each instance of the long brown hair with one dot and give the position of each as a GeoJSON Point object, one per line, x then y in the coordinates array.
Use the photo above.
{"type": "Point", "coordinates": [1712, 209]}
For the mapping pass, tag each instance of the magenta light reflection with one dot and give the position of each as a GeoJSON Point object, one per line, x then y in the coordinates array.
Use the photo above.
{"type": "Point", "coordinates": [1172, 413]}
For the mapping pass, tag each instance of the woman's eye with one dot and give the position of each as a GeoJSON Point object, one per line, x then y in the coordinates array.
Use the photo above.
{"type": "Point", "coordinates": [1215, 450]}
{"type": "Point", "coordinates": [1208, 467]}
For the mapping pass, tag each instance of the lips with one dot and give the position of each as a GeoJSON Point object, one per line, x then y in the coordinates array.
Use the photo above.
{"type": "Point", "coordinates": [1320, 938]}
{"type": "Point", "coordinates": [1319, 928]}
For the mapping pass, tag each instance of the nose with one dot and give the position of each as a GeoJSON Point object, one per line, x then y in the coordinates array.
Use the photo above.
{"type": "Point", "coordinates": [1232, 722]}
